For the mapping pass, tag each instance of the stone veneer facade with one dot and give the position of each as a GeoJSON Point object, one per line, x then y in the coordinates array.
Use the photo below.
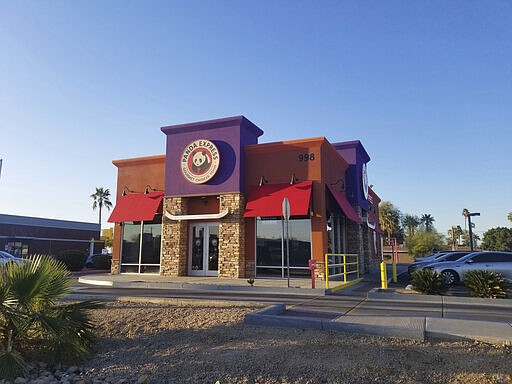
{"type": "Point", "coordinates": [174, 259]}
{"type": "Point", "coordinates": [232, 237]}
{"type": "Point", "coordinates": [175, 238]}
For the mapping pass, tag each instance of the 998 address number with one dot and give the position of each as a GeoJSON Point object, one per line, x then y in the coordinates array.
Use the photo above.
{"type": "Point", "coordinates": [307, 157]}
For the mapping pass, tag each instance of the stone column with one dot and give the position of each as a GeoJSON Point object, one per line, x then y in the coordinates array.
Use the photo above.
{"type": "Point", "coordinates": [232, 237]}
{"type": "Point", "coordinates": [174, 239]}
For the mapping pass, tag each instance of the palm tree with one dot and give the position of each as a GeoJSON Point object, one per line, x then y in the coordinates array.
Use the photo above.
{"type": "Point", "coordinates": [427, 220]}
{"type": "Point", "coordinates": [465, 213]}
{"type": "Point", "coordinates": [32, 321]}
{"type": "Point", "coordinates": [410, 222]}
{"type": "Point", "coordinates": [389, 218]}
{"type": "Point", "coordinates": [101, 199]}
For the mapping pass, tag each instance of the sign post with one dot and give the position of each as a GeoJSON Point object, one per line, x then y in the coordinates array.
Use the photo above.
{"type": "Point", "coordinates": [286, 217]}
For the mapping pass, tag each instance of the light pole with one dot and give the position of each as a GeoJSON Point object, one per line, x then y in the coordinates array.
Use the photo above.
{"type": "Point", "coordinates": [471, 229]}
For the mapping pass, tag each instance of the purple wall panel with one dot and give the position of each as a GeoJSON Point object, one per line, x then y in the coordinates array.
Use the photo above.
{"type": "Point", "coordinates": [230, 135]}
{"type": "Point", "coordinates": [355, 155]}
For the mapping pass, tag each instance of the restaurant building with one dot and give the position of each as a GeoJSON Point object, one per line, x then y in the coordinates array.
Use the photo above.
{"type": "Point", "coordinates": [212, 205]}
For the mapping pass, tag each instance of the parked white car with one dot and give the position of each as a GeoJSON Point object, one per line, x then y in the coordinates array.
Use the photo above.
{"type": "Point", "coordinates": [6, 258]}
{"type": "Point", "coordinates": [453, 271]}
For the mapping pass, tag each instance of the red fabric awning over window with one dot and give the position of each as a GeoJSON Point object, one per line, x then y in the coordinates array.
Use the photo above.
{"type": "Point", "coordinates": [267, 200]}
{"type": "Point", "coordinates": [345, 205]}
{"type": "Point", "coordinates": [136, 207]}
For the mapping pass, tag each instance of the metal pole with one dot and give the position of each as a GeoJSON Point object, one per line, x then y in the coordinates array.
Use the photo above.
{"type": "Point", "coordinates": [282, 247]}
{"type": "Point", "coordinates": [470, 233]}
{"type": "Point", "coordinates": [288, 251]}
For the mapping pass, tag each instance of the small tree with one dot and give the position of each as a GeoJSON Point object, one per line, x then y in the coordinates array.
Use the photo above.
{"type": "Point", "coordinates": [424, 242]}
{"type": "Point", "coordinates": [497, 239]}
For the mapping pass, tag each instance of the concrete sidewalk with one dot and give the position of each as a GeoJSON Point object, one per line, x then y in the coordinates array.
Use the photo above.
{"type": "Point", "coordinates": [448, 317]}
{"type": "Point", "coordinates": [297, 286]}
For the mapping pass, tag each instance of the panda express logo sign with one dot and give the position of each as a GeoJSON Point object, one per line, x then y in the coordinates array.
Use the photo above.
{"type": "Point", "coordinates": [200, 161]}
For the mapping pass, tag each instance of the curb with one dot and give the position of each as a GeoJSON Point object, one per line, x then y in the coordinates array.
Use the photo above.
{"type": "Point", "coordinates": [384, 295]}
{"type": "Point", "coordinates": [416, 328]}
{"type": "Point", "coordinates": [408, 328]}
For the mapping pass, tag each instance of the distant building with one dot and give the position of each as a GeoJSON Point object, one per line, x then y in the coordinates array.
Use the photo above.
{"type": "Point", "coordinates": [23, 235]}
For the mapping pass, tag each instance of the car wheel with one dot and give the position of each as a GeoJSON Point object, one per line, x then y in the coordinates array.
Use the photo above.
{"type": "Point", "coordinates": [450, 277]}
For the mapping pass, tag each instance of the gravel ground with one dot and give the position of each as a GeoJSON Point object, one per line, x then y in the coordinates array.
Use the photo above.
{"type": "Point", "coordinates": [158, 343]}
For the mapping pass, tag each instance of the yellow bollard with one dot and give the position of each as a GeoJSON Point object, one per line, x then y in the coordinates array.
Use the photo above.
{"type": "Point", "coordinates": [383, 276]}
{"type": "Point", "coordinates": [393, 268]}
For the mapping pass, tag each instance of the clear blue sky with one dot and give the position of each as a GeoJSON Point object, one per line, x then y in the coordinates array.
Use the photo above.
{"type": "Point", "coordinates": [425, 85]}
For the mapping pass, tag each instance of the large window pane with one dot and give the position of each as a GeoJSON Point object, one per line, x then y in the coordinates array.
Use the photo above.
{"type": "Point", "coordinates": [151, 238]}
{"type": "Point", "coordinates": [141, 259]}
{"type": "Point", "coordinates": [268, 243]}
{"type": "Point", "coordinates": [269, 248]}
{"type": "Point", "coordinates": [131, 243]}
{"type": "Point", "coordinates": [300, 242]}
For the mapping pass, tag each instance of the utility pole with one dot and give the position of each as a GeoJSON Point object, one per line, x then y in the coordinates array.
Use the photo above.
{"type": "Point", "coordinates": [471, 229]}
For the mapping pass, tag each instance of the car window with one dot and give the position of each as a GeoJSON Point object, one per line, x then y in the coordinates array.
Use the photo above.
{"type": "Point", "coordinates": [454, 256]}
{"type": "Point", "coordinates": [489, 257]}
{"type": "Point", "coordinates": [503, 257]}
{"type": "Point", "coordinates": [481, 258]}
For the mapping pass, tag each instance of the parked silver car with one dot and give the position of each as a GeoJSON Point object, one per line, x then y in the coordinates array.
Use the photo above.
{"type": "Point", "coordinates": [6, 258]}
{"type": "Point", "coordinates": [450, 256]}
{"type": "Point", "coordinates": [453, 271]}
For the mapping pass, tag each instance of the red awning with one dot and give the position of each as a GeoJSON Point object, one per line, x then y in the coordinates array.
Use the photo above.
{"type": "Point", "coordinates": [267, 200]}
{"type": "Point", "coordinates": [345, 205]}
{"type": "Point", "coordinates": [136, 207]}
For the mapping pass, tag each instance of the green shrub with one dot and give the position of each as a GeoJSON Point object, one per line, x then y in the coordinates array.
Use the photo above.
{"type": "Point", "coordinates": [428, 282]}
{"type": "Point", "coordinates": [482, 283]}
{"type": "Point", "coordinates": [73, 259]}
{"type": "Point", "coordinates": [32, 320]}
{"type": "Point", "coordinates": [101, 261]}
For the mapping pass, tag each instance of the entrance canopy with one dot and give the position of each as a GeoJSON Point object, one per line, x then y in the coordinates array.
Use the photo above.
{"type": "Point", "coordinates": [345, 205]}
{"type": "Point", "coordinates": [136, 207]}
{"type": "Point", "coordinates": [266, 201]}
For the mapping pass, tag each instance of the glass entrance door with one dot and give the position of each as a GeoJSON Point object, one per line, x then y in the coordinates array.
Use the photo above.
{"type": "Point", "coordinates": [204, 249]}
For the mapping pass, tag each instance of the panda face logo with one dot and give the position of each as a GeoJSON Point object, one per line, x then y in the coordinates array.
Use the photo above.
{"type": "Point", "coordinates": [200, 161]}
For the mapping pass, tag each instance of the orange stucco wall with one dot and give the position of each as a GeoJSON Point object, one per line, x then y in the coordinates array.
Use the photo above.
{"type": "Point", "coordinates": [133, 175]}
{"type": "Point", "coordinates": [279, 162]}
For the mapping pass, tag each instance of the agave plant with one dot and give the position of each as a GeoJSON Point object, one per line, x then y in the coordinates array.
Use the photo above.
{"type": "Point", "coordinates": [428, 282]}
{"type": "Point", "coordinates": [483, 283]}
{"type": "Point", "coordinates": [32, 320]}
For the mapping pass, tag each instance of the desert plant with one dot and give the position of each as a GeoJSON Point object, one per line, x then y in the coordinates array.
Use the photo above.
{"type": "Point", "coordinates": [31, 320]}
{"type": "Point", "coordinates": [482, 283]}
{"type": "Point", "coordinates": [428, 282]}
{"type": "Point", "coordinates": [73, 259]}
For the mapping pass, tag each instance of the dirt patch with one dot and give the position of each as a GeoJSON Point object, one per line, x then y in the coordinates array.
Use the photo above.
{"type": "Point", "coordinates": [206, 344]}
